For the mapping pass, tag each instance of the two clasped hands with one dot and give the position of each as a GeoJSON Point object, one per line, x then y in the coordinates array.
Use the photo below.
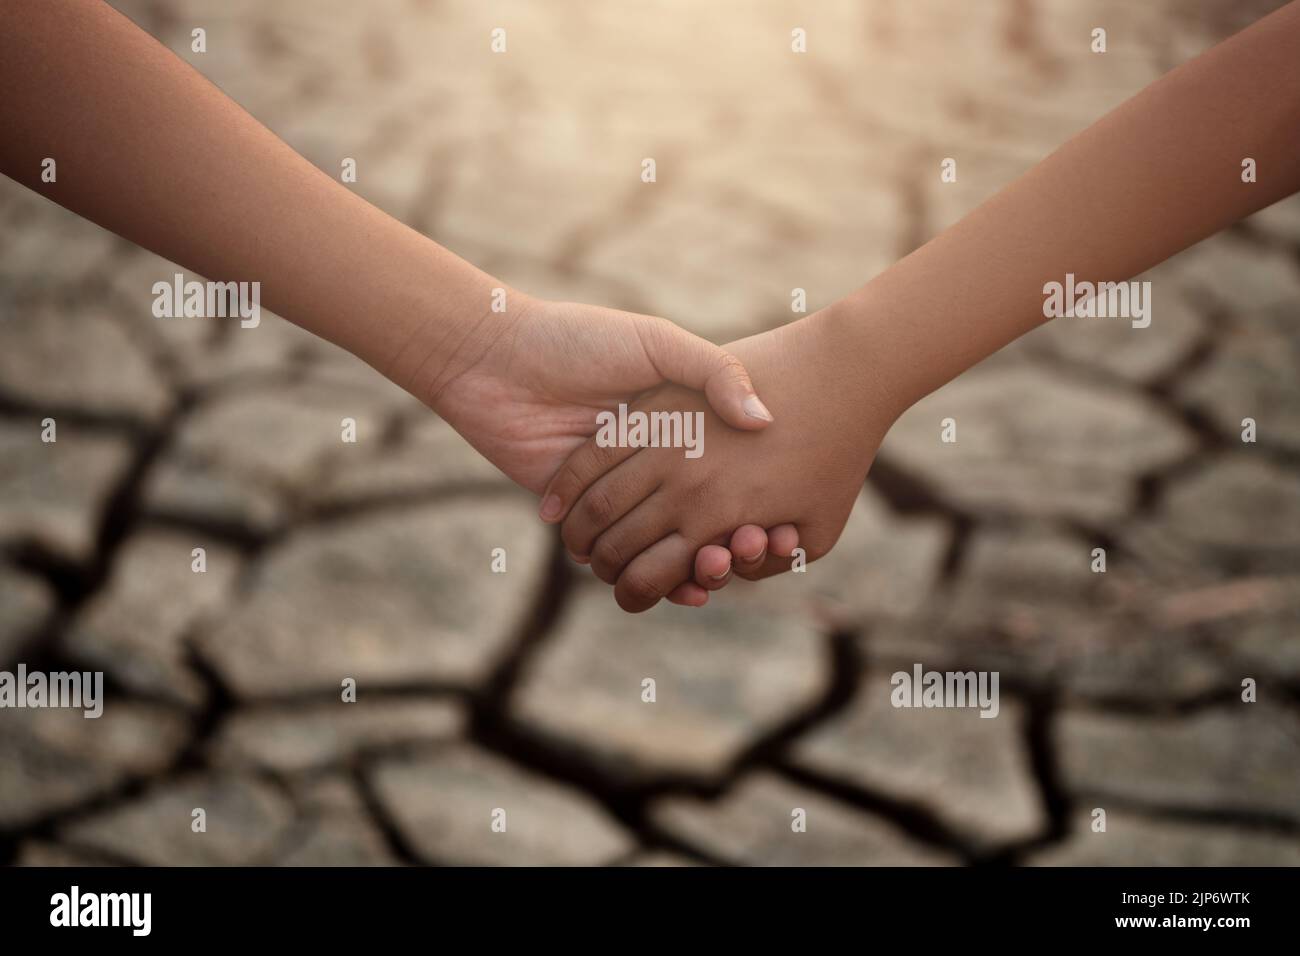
{"type": "Point", "coordinates": [148, 148]}
{"type": "Point", "coordinates": [527, 386]}
{"type": "Point", "coordinates": [1155, 175]}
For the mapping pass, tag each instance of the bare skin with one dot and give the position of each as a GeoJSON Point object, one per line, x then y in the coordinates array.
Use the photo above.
{"type": "Point", "coordinates": [1156, 175]}
{"type": "Point", "coordinates": [643, 521]}
{"type": "Point", "coordinates": [148, 148]}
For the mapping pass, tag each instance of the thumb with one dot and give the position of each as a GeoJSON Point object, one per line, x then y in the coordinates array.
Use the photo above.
{"type": "Point", "coordinates": [689, 360]}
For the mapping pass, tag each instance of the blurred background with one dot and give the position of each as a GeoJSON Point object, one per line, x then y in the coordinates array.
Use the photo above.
{"type": "Point", "coordinates": [523, 691]}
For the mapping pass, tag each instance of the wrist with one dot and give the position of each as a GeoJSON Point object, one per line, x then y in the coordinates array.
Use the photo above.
{"type": "Point", "coordinates": [855, 337]}
{"type": "Point", "coordinates": [458, 326]}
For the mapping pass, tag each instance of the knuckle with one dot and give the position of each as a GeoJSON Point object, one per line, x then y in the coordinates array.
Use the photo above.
{"type": "Point", "coordinates": [641, 589]}
{"type": "Point", "coordinates": [568, 483]}
{"type": "Point", "coordinates": [605, 459]}
{"type": "Point", "coordinates": [597, 507]}
{"type": "Point", "coordinates": [730, 366]}
{"type": "Point", "coordinates": [606, 560]}
{"type": "Point", "coordinates": [574, 540]}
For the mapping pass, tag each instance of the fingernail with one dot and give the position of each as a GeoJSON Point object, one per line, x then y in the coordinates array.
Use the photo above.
{"type": "Point", "coordinates": [722, 576]}
{"type": "Point", "coordinates": [754, 557]}
{"type": "Point", "coordinates": [575, 559]}
{"type": "Point", "coordinates": [551, 507]}
{"type": "Point", "coordinates": [756, 409]}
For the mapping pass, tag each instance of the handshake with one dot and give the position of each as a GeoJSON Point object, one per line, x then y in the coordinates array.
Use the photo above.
{"type": "Point", "coordinates": [603, 414]}
{"type": "Point", "coordinates": [532, 384]}
{"type": "Point", "coordinates": [533, 389]}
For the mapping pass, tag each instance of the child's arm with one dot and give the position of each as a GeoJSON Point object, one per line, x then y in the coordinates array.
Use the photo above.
{"type": "Point", "coordinates": [149, 149]}
{"type": "Point", "coordinates": [1158, 174]}
{"type": "Point", "coordinates": [146, 147]}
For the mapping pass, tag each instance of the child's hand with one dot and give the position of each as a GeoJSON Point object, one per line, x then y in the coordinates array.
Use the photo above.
{"type": "Point", "coordinates": [525, 388]}
{"type": "Point", "coordinates": [746, 554]}
{"type": "Point", "coordinates": [643, 514]}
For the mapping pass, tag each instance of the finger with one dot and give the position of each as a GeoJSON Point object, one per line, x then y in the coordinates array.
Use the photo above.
{"type": "Point", "coordinates": [579, 470]}
{"type": "Point", "coordinates": [630, 535]}
{"type": "Point", "coordinates": [689, 360]}
{"type": "Point", "coordinates": [713, 564]}
{"type": "Point", "coordinates": [604, 504]}
{"type": "Point", "coordinates": [689, 595]}
{"type": "Point", "coordinates": [712, 567]}
{"type": "Point", "coordinates": [655, 573]}
{"type": "Point", "coordinates": [748, 548]}
{"type": "Point", "coordinates": [782, 540]}
{"type": "Point", "coordinates": [771, 566]}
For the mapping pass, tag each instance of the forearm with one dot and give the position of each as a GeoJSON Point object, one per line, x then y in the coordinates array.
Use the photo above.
{"type": "Point", "coordinates": [149, 149]}
{"type": "Point", "coordinates": [1156, 175]}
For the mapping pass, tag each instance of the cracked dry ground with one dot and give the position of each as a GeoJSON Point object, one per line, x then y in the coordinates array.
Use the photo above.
{"type": "Point", "coordinates": [522, 690]}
